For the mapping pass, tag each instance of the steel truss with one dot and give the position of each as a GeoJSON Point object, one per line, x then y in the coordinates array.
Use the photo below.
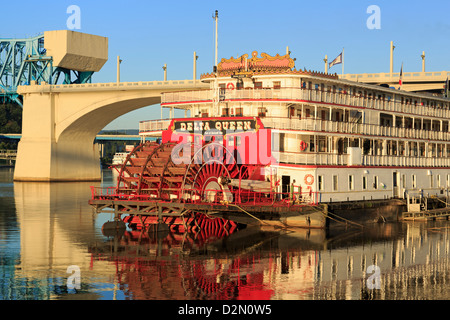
{"type": "Point", "coordinates": [24, 60]}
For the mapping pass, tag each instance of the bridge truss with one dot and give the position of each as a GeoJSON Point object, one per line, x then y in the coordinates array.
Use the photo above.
{"type": "Point", "coordinates": [23, 61]}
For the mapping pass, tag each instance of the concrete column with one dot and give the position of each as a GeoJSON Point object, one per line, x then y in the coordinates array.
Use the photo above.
{"type": "Point", "coordinates": [41, 158]}
{"type": "Point", "coordinates": [384, 147]}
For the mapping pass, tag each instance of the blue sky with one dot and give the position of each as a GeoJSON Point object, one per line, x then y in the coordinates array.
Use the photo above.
{"type": "Point", "coordinates": [148, 34]}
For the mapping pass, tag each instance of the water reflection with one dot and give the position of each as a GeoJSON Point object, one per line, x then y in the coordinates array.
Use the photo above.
{"type": "Point", "coordinates": [44, 228]}
{"type": "Point", "coordinates": [273, 264]}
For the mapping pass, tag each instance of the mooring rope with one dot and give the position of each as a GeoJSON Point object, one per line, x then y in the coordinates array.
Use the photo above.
{"type": "Point", "coordinates": [248, 213]}
{"type": "Point", "coordinates": [328, 213]}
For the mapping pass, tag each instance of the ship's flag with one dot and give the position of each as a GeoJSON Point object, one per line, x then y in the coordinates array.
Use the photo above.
{"type": "Point", "coordinates": [400, 82]}
{"type": "Point", "coordinates": [338, 60]}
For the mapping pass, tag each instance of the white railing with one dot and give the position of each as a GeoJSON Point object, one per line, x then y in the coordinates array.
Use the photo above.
{"type": "Point", "coordinates": [309, 158]}
{"type": "Point", "coordinates": [352, 128]}
{"type": "Point", "coordinates": [318, 96]}
{"type": "Point", "coordinates": [367, 160]}
{"type": "Point", "coordinates": [153, 125]}
{"type": "Point", "coordinates": [403, 161]}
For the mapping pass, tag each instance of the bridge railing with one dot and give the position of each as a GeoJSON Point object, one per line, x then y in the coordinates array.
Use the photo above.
{"type": "Point", "coordinates": [8, 154]}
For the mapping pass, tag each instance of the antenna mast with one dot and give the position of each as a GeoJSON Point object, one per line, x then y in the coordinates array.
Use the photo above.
{"type": "Point", "coordinates": [216, 18]}
{"type": "Point", "coordinates": [216, 87]}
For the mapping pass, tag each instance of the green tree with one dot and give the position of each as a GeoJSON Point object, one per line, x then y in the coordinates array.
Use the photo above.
{"type": "Point", "coordinates": [10, 118]}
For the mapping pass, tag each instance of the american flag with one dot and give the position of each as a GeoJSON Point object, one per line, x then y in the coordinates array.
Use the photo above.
{"type": "Point", "coordinates": [338, 60]}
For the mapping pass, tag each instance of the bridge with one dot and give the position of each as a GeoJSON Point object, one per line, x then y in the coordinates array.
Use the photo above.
{"type": "Point", "coordinates": [412, 81]}
{"type": "Point", "coordinates": [50, 76]}
{"type": "Point", "coordinates": [61, 122]}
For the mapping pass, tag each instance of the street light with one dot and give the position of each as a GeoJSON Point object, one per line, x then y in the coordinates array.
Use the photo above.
{"type": "Point", "coordinates": [119, 61]}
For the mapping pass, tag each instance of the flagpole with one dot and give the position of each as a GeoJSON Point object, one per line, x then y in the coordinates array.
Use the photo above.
{"type": "Point", "coordinates": [342, 61]}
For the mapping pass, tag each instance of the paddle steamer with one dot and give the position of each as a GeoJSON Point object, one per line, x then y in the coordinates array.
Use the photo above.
{"type": "Point", "coordinates": [333, 140]}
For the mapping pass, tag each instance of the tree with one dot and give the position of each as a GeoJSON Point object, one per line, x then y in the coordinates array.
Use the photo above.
{"type": "Point", "coordinates": [10, 118]}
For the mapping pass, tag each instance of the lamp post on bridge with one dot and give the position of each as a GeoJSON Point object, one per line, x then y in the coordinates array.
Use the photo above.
{"type": "Point", "coordinates": [165, 71]}
{"type": "Point", "coordinates": [195, 65]}
{"type": "Point", "coordinates": [119, 61]}
{"type": "Point", "coordinates": [423, 61]}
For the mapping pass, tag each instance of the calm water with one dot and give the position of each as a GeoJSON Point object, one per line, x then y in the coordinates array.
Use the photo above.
{"type": "Point", "coordinates": [46, 228]}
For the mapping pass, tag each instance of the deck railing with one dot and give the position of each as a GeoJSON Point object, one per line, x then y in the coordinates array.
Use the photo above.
{"type": "Point", "coordinates": [413, 107]}
{"type": "Point", "coordinates": [154, 125]}
{"type": "Point", "coordinates": [261, 197]}
{"type": "Point", "coordinates": [310, 124]}
{"type": "Point", "coordinates": [329, 159]}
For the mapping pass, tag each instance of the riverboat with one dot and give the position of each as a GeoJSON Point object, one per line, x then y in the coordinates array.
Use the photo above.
{"type": "Point", "coordinates": [298, 141]}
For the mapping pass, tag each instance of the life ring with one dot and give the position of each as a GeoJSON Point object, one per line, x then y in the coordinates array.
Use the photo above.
{"type": "Point", "coordinates": [230, 86]}
{"type": "Point", "coordinates": [303, 145]}
{"type": "Point", "coordinates": [309, 179]}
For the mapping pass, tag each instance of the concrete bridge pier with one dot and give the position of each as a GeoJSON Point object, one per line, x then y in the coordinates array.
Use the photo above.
{"type": "Point", "coordinates": [46, 160]}
{"type": "Point", "coordinates": [44, 156]}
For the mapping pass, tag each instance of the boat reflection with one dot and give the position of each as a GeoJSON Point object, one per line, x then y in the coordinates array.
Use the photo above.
{"type": "Point", "coordinates": [267, 263]}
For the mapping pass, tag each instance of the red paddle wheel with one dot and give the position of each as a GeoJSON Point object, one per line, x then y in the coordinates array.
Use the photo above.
{"type": "Point", "coordinates": [181, 173]}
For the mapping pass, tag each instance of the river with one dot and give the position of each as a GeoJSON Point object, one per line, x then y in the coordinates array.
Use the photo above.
{"type": "Point", "coordinates": [52, 248]}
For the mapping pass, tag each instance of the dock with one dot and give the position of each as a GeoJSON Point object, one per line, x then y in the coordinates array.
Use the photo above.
{"type": "Point", "coordinates": [433, 214]}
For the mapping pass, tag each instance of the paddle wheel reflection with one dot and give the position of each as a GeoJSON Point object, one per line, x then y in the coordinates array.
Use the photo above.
{"type": "Point", "coordinates": [187, 266]}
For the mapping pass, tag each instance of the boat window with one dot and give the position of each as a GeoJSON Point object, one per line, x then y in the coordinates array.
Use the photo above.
{"type": "Point", "coordinates": [262, 112]}
{"type": "Point", "coordinates": [351, 185]}
{"type": "Point", "coordinates": [335, 183]}
{"type": "Point", "coordinates": [320, 183]}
